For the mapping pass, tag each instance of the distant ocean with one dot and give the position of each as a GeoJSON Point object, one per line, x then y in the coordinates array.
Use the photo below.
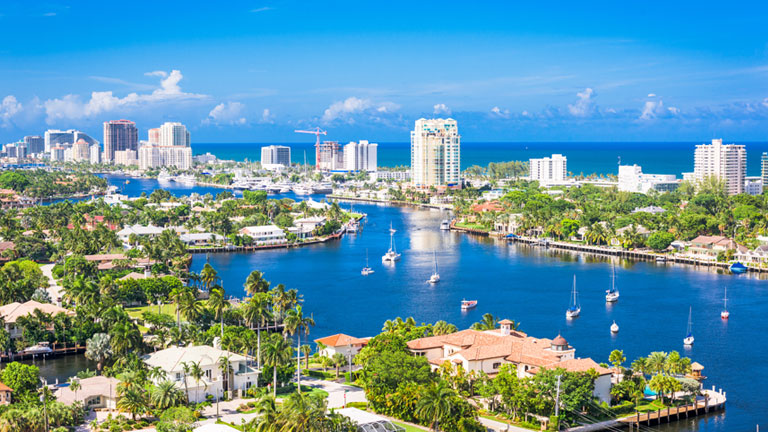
{"type": "Point", "coordinates": [583, 157]}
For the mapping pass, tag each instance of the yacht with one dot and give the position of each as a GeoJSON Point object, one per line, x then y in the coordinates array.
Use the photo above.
{"type": "Point", "coordinates": [391, 255]}
{"type": "Point", "coordinates": [468, 304]}
{"type": "Point", "coordinates": [301, 189]}
{"type": "Point", "coordinates": [688, 341]}
{"type": "Point", "coordinates": [725, 314]}
{"type": "Point", "coordinates": [322, 188]}
{"type": "Point", "coordinates": [352, 226]}
{"type": "Point", "coordinates": [435, 278]}
{"type": "Point", "coordinates": [186, 179]}
{"type": "Point", "coordinates": [445, 225]}
{"type": "Point", "coordinates": [614, 327]}
{"type": "Point", "coordinates": [574, 309]}
{"type": "Point", "coordinates": [40, 348]}
{"type": "Point", "coordinates": [367, 269]}
{"type": "Point", "coordinates": [164, 177]}
{"type": "Point", "coordinates": [612, 294]}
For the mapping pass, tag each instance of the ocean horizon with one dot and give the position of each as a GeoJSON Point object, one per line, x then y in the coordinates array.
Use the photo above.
{"type": "Point", "coordinates": [583, 157]}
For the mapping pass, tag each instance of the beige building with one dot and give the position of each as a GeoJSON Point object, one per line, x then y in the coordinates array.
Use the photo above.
{"type": "Point", "coordinates": [94, 392]}
{"type": "Point", "coordinates": [13, 311]}
{"type": "Point", "coordinates": [157, 156]}
{"type": "Point", "coordinates": [126, 157]}
{"type": "Point", "coordinates": [81, 151]}
{"type": "Point", "coordinates": [435, 153]}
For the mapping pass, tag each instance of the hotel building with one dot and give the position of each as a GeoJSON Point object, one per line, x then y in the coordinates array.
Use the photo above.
{"type": "Point", "coordinates": [275, 155]}
{"type": "Point", "coordinates": [119, 135]}
{"type": "Point", "coordinates": [549, 169]}
{"type": "Point", "coordinates": [632, 179]}
{"type": "Point", "coordinates": [360, 156]}
{"type": "Point", "coordinates": [725, 161]}
{"type": "Point", "coordinates": [435, 153]}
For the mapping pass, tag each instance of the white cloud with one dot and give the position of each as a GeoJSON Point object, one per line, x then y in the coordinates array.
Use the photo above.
{"type": "Point", "coordinates": [651, 95]}
{"type": "Point", "coordinates": [71, 107]}
{"type": "Point", "coordinates": [261, 9]}
{"type": "Point", "coordinates": [654, 109]}
{"type": "Point", "coordinates": [352, 106]}
{"type": "Point", "coordinates": [673, 110]}
{"type": "Point", "coordinates": [584, 105]}
{"type": "Point", "coordinates": [227, 113]}
{"type": "Point", "coordinates": [267, 116]}
{"type": "Point", "coordinates": [49, 14]}
{"type": "Point", "coordinates": [158, 73]}
{"type": "Point", "coordinates": [503, 113]}
{"type": "Point", "coordinates": [441, 109]}
{"type": "Point", "coordinates": [8, 109]}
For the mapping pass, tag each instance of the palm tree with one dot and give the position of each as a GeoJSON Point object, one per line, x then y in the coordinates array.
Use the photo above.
{"type": "Point", "coordinates": [165, 395]}
{"type": "Point", "coordinates": [255, 283]}
{"type": "Point", "coordinates": [74, 385]}
{"type": "Point", "coordinates": [257, 310]}
{"type": "Point", "coordinates": [196, 372]}
{"type": "Point", "coordinates": [640, 365]}
{"type": "Point", "coordinates": [277, 352]}
{"type": "Point", "coordinates": [226, 368]}
{"type": "Point", "coordinates": [186, 368]}
{"type": "Point", "coordinates": [338, 359]}
{"type": "Point", "coordinates": [126, 337]}
{"type": "Point", "coordinates": [133, 401]}
{"type": "Point", "coordinates": [436, 404]}
{"type": "Point", "coordinates": [208, 276]}
{"type": "Point", "coordinates": [190, 306]}
{"type": "Point", "coordinates": [306, 350]}
{"type": "Point", "coordinates": [489, 322]}
{"type": "Point", "coordinates": [657, 362]}
{"type": "Point", "coordinates": [218, 303]}
{"type": "Point", "coordinates": [296, 323]}
{"type": "Point", "coordinates": [98, 349]}
{"type": "Point", "coordinates": [443, 328]}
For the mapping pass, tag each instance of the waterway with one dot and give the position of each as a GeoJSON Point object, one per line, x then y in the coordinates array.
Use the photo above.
{"type": "Point", "coordinates": [531, 286]}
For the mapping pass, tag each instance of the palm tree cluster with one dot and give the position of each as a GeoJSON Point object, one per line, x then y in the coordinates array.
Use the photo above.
{"type": "Point", "coordinates": [300, 412]}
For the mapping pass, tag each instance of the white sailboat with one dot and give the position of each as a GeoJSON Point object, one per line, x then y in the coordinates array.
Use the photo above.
{"type": "Point", "coordinates": [725, 314]}
{"type": "Point", "coordinates": [391, 255]}
{"type": "Point", "coordinates": [435, 278]}
{"type": "Point", "coordinates": [612, 294]}
{"type": "Point", "coordinates": [688, 341]}
{"type": "Point", "coordinates": [614, 327]}
{"type": "Point", "coordinates": [574, 309]}
{"type": "Point", "coordinates": [367, 269]}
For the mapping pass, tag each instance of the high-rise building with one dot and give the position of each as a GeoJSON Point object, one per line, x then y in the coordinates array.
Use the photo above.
{"type": "Point", "coordinates": [360, 156]}
{"type": "Point", "coordinates": [329, 156]}
{"type": "Point", "coordinates": [548, 169]}
{"type": "Point", "coordinates": [764, 169]}
{"type": "Point", "coordinates": [56, 138]}
{"type": "Point", "coordinates": [58, 153]}
{"type": "Point", "coordinates": [119, 135]}
{"type": "Point", "coordinates": [154, 136]}
{"type": "Point", "coordinates": [94, 154]}
{"type": "Point", "coordinates": [35, 144]}
{"type": "Point", "coordinates": [126, 157]}
{"type": "Point", "coordinates": [173, 134]}
{"type": "Point", "coordinates": [727, 162]}
{"type": "Point", "coordinates": [275, 155]}
{"type": "Point", "coordinates": [435, 153]}
{"type": "Point", "coordinates": [154, 156]}
{"type": "Point", "coordinates": [81, 151]}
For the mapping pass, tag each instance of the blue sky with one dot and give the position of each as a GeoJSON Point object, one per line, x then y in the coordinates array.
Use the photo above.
{"type": "Point", "coordinates": [237, 71]}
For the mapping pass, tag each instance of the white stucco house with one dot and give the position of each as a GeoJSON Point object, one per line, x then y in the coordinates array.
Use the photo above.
{"type": "Point", "coordinates": [340, 343]}
{"type": "Point", "coordinates": [265, 234]}
{"type": "Point", "coordinates": [171, 360]}
{"type": "Point", "coordinates": [94, 392]}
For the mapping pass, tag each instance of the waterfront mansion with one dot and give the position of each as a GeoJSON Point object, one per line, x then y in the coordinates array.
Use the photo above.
{"type": "Point", "coordinates": [487, 350]}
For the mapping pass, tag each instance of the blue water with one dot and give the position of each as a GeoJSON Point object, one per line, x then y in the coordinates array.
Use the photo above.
{"type": "Point", "coordinates": [531, 286]}
{"type": "Point", "coordinates": [583, 157]}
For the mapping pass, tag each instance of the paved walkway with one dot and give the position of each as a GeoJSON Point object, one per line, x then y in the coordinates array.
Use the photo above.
{"type": "Point", "coordinates": [500, 427]}
{"type": "Point", "coordinates": [54, 290]}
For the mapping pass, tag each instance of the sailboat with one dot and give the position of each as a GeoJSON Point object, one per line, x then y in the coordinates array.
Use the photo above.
{"type": "Point", "coordinates": [391, 255]}
{"type": "Point", "coordinates": [688, 341]}
{"type": "Point", "coordinates": [574, 309]}
{"type": "Point", "coordinates": [367, 269]}
{"type": "Point", "coordinates": [725, 314]}
{"type": "Point", "coordinates": [612, 294]}
{"type": "Point", "coordinates": [435, 278]}
{"type": "Point", "coordinates": [614, 327]}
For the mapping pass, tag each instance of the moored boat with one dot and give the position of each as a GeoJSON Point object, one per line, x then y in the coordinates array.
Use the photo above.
{"type": "Point", "coordinates": [614, 327]}
{"type": "Point", "coordinates": [737, 268]}
{"type": "Point", "coordinates": [435, 278]}
{"type": "Point", "coordinates": [725, 314]}
{"type": "Point", "coordinates": [574, 310]}
{"type": "Point", "coordinates": [445, 225]}
{"type": "Point", "coordinates": [688, 340]}
{"type": "Point", "coordinates": [612, 295]}
{"type": "Point", "coordinates": [391, 255]}
{"type": "Point", "coordinates": [468, 304]}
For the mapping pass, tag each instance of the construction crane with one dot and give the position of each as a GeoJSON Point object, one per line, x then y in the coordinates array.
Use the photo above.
{"type": "Point", "coordinates": [317, 132]}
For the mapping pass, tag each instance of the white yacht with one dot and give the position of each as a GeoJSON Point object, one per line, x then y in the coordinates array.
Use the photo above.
{"type": "Point", "coordinates": [614, 327]}
{"type": "Point", "coordinates": [187, 179]}
{"type": "Point", "coordinates": [445, 225]}
{"type": "Point", "coordinates": [391, 255]}
{"type": "Point", "coordinates": [164, 177]}
{"type": "Point", "coordinates": [435, 278]}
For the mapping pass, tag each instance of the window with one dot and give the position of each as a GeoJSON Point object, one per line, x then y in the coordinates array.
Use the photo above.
{"type": "Point", "coordinates": [497, 365]}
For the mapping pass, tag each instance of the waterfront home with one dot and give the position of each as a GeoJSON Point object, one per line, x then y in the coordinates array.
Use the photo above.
{"type": "Point", "coordinates": [140, 231]}
{"type": "Point", "coordinates": [202, 239]}
{"type": "Point", "coordinates": [708, 247]}
{"type": "Point", "coordinates": [490, 206]}
{"type": "Point", "coordinates": [342, 344]}
{"type": "Point", "coordinates": [753, 258]}
{"type": "Point", "coordinates": [5, 394]}
{"type": "Point", "coordinates": [638, 229]}
{"type": "Point", "coordinates": [94, 392]}
{"type": "Point", "coordinates": [265, 234]}
{"type": "Point", "coordinates": [494, 194]}
{"type": "Point", "coordinates": [603, 381]}
{"type": "Point", "coordinates": [11, 312]}
{"type": "Point", "coordinates": [486, 351]}
{"type": "Point", "coordinates": [91, 222]}
{"type": "Point", "coordinates": [508, 223]}
{"type": "Point", "coordinates": [172, 360]}
{"type": "Point", "coordinates": [107, 261]}
{"type": "Point", "coordinates": [310, 222]}
{"type": "Point", "coordinates": [300, 233]}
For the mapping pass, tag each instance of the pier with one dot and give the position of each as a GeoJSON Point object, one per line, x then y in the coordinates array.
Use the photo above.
{"type": "Point", "coordinates": [55, 352]}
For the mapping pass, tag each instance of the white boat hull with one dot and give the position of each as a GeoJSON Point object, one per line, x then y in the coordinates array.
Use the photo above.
{"type": "Point", "coordinates": [434, 279]}
{"type": "Point", "coordinates": [573, 314]}
{"type": "Point", "coordinates": [688, 341]}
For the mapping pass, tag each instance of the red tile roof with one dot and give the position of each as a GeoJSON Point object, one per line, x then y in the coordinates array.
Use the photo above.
{"type": "Point", "coordinates": [340, 339]}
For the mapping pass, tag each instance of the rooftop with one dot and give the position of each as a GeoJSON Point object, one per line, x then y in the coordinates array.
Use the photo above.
{"type": "Point", "coordinates": [12, 311]}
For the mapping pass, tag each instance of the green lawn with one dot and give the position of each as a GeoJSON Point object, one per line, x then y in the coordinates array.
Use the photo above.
{"type": "Point", "coordinates": [472, 226]}
{"type": "Point", "coordinates": [408, 428]}
{"type": "Point", "coordinates": [136, 312]}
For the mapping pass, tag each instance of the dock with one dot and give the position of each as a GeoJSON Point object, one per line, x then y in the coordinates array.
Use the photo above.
{"type": "Point", "coordinates": [56, 352]}
{"type": "Point", "coordinates": [712, 400]}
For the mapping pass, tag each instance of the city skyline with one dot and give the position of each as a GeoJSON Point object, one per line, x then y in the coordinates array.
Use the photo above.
{"type": "Point", "coordinates": [239, 72]}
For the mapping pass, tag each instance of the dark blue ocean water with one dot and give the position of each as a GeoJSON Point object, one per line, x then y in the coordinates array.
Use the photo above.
{"type": "Point", "coordinates": [531, 286]}
{"type": "Point", "coordinates": [583, 157]}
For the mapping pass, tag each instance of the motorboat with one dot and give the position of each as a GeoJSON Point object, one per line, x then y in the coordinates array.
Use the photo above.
{"type": "Point", "coordinates": [612, 295]}
{"type": "Point", "coordinates": [367, 269]}
{"type": "Point", "coordinates": [737, 268]}
{"type": "Point", "coordinates": [435, 278]}
{"type": "Point", "coordinates": [391, 255]}
{"type": "Point", "coordinates": [614, 327]}
{"type": "Point", "coordinates": [661, 259]}
{"type": "Point", "coordinates": [352, 226]}
{"type": "Point", "coordinates": [40, 348]}
{"type": "Point", "coordinates": [468, 304]}
{"type": "Point", "coordinates": [574, 310]}
{"type": "Point", "coordinates": [164, 177]}
{"type": "Point", "coordinates": [445, 225]}
{"type": "Point", "coordinates": [688, 340]}
{"type": "Point", "coordinates": [186, 179]}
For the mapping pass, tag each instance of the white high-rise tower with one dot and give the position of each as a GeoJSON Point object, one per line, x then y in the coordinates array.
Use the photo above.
{"type": "Point", "coordinates": [725, 161]}
{"type": "Point", "coordinates": [435, 153]}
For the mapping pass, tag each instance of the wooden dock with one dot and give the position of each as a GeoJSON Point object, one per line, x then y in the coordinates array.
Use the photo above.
{"type": "Point", "coordinates": [57, 352]}
{"type": "Point", "coordinates": [712, 401]}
